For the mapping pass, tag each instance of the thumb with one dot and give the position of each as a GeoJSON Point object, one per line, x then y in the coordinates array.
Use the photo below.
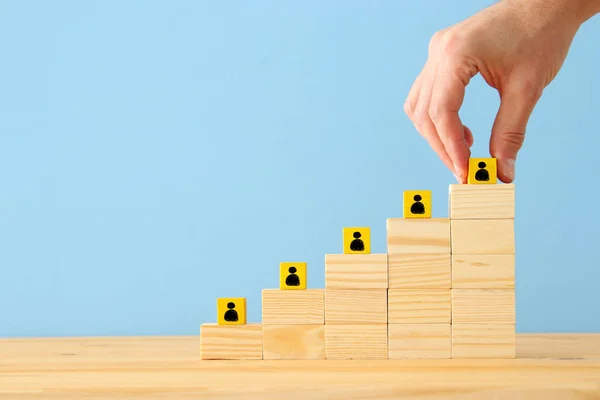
{"type": "Point", "coordinates": [508, 132]}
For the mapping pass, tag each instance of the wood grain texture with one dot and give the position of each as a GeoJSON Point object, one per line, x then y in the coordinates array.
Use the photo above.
{"type": "Point", "coordinates": [355, 307]}
{"type": "Point", "coordinates": [231, 342]}
{"type": "Point", "coordinates": [482, 201]}
{"type": "Point", "coordinates": [485, 306]}
{"type": "Point", "coordinates": [284, 307]}
{"type": "Point", "coordinates": [420, 341]}
{"type": "Point", "coordinates": [356, 271]}
{"type": "Point", "coordinates": [483, 271]}
{"type": "Point", "coordinates": [294, 342]}
{"type": "Point", "coordinates": [483, 236]}
{"type": "Point", "coordinates": [418, 236]}
{"type": "Point", "coordinates": [483, 341]}
{"type": "Point", "coordinates": [419, 306]}
{"type": "Point", "coordinates": [419, 271]}
{"type": "Point", "coordinates": [547, 367]}
{"type": "Point", "coordinates": [356, 342]}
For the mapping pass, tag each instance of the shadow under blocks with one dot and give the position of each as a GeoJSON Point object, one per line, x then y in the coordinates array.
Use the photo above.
{"type": "Point", "coordinates": [444, 289]}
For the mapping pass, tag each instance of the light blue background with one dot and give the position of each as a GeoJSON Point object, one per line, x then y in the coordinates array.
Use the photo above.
{"type": "Point", "coordinates": [156, 155]}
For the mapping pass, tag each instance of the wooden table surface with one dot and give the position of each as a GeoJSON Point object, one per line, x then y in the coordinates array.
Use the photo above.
{"type": "Point", "coordinates": [548, 367]}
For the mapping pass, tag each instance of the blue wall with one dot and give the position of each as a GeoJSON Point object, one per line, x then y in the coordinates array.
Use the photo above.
{"type": "Point", "coordinates": [157, 155]}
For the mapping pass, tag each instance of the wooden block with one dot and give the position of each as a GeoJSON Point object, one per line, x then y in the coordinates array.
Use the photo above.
{"type": "Point", "coordinates": [355, 306]}
{"type": "Point", "coordinates": [285, 307]}
{"type": "Point", "coordinates": [231, 311]}
{"type": "Point", "coordinates": [419, 306]}
{"type": "Point", "coordinates": [420, 341]}
{"type": "Point", "coordinates": [356, 342]}
{"type": "Point", "coordinates": [356, 271]}
{"type": "Point", "coordinates": [484, 306]}
{"type": "Point", "coordinates": [294, 342]}
{"type": "Point", "coordinates": [482, 171]}
{"type": "Point", "coordinates": [357, 240]}
{"type": "Point", "coordinates": [483, 236]}
{"type": "Point", "coordinates": [292, 276]}
{"type": "Point", "coordinates": [417, 204]}
{"type": "Point", "coordinates": [483, 271]}
{"type": "Point", "coordinates": [482, 201]}
{"type": "Point", "coordinates": [419, 271]}
{"type": "Point", "coordinates": [418, 236]}
{"type": "Point", "coordinates": [483, 341]}
{"type": "Point", "coordinates": [231, 342]}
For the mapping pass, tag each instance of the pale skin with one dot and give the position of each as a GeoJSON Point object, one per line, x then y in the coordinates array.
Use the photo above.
{"type": "Point", "coordinates": [518, 47]}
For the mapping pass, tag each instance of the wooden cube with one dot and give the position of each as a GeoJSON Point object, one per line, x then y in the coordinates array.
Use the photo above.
{"type": "Point", "coordinates": [483, 271]}
{"type": "Point", "coordinates": [419, 306]}
{"type": "Point", "coordinates": [356, 271]}
{"type": "Point", "coordinates": [482, 171]}
{"type": "Point", "coordinates": [294, 342]}
{"type": "Point", "coordinates": [483, 236]}
{"type": "Point", "coordinates": [419, 271]}
{"type": "Point", "coordinates": [285, 307]}
{"type": "Point", "coordinates": [355, 306]}
{"type": "Point", "coordinates": [417, 204]}
{"type": "Point", "coordinates": [356, 342]}
{"type": "Point", "coordinates": [482, 201]}
{"type": "Point", "coordinates": [418, 235]}
{"type": "Point", "coordinates": [292, 275]}
{"type": "Point", "coordinates": [231, 342]}
{"type": "Point", "coordinates": [483, 341]}
{"type": "Point", "coordinates": [231, 311]}
{"type": "Point", "coordinates": [357, 240]}
{"type": "Point", "coordinates": [483, 306]}
{"type": "Point", "coordinates": [420, 341]}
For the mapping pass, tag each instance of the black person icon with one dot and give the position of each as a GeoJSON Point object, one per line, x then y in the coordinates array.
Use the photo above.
{"type": "Point", "coordinates": [357, 244]}
{"type": "Point", "coordinates": [482, 174]}
{"type": "Point", "coordinates": [231, 315]}
{"type": "Point", "coordinates": [417, 207]}
{"type": "Point", "coordinates": [292, 279]}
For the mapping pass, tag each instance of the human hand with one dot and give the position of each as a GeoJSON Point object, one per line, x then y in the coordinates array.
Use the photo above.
{"type": "Point", "coordinates": [518, 46]}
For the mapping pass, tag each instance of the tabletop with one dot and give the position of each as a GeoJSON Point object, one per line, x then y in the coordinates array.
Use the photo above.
{"type": "Point", "coordinates": [548, 366]}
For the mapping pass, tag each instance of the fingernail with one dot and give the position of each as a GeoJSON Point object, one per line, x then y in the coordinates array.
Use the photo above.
{"type": "Point", "coordinates": [458, 178]}
{"type": "Point", "coordinates": [508, 168]}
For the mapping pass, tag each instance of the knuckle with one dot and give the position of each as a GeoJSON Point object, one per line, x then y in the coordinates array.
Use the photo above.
{"type": "Point", "coordinates": [515, 139]}
{"type": "Point", "coordinates": [446, 43]}
{"type": "Point", "coordinates": [420, 118]}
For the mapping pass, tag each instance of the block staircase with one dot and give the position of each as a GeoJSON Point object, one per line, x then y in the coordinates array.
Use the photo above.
{"type": "Point", "coordinates": [444, 289]}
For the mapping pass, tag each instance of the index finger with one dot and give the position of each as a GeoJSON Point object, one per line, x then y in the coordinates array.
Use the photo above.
{"type": "Point", "coordinates": [446, 100]}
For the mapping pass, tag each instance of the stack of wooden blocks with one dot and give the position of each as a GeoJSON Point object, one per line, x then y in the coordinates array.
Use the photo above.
{"type": "Point", "coordinates": [444, 289]}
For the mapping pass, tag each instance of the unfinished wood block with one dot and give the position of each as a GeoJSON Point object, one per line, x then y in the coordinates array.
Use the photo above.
{"type": "Point", "coordinates": [356, 271]}
{"type": "Point", "coordinates": [420, 341]}
{"type": "Point", "coordinates": [355, 306]}
{"type": "Point", "coordinates": [285, 307]}
{"type": "Point", "coordinates": [294, 342]}
{"type": "Point", "coordinates": [484, 306]}
{"type": "Point", "coordinates": [356, 342]}
{"type": "Point", "coordinates": [419, 306]}
{"type": "Point", "coordinates": [419, 271]}
{"type": "Point", "coordinates": [483, 341]}
{"type": "Point", "coordinates": [482, 201]}
{"type": "Point", "coordinates": [483, 271]}
{"type": "Point", "coordinates": [231, 342]}
{"type": "Point", "coordinates": [418, 235]}
{"type": "Point", "coordinates": [483, 236]}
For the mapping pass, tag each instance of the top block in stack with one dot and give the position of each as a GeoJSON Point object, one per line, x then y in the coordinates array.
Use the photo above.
{"type": "Point", "coordinates": [356, 268]}
{"type": "Point", "coordinates": [418, 246]}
